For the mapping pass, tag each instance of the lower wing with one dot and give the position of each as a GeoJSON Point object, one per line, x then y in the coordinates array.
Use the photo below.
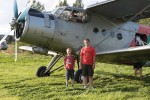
{"type": "Point", "coordinates": [128, 56]}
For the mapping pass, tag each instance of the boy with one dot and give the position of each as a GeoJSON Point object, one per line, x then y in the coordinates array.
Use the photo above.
{"type": "Point", "coordinates": [87, 57]}
{"type": "Point", "coordinates": [69, 63]}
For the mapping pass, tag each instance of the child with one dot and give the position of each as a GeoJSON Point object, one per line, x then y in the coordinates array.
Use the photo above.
{"type": "Point", "coordinates": [69, 63]}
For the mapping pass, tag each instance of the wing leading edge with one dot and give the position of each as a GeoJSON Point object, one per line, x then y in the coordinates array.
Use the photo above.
{"type": "Point", "coordinates": [122, 9]}
{"type": "Point", "coordinates": [125, 56]}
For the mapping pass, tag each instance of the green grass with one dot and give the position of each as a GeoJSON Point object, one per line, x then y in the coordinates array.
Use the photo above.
{"type": "Point", "coordinates": [112, 82]}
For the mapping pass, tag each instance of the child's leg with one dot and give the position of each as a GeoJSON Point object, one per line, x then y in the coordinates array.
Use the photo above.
{"type": "Point", "coordinates": [135, 72]}
{"type": "Point", "coordinates": [66, 82]}
{"type": "Point", "coordinates": [67, 77]}
{"type": "Point", "coordinates": [140, 71]}
{"type": "Point", "coordinates": [72, 82]}
{"type": "Point", "coordinates": [72, 77]}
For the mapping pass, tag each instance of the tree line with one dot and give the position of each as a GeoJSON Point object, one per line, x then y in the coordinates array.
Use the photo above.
{"type": "Point", "coordinates": [40, 7]}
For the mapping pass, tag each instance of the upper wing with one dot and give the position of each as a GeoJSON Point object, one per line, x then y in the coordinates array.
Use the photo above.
{"type": "Point", "coordinates": [123, 9]}
{"type": "Point", "coordinates": [125, 56]}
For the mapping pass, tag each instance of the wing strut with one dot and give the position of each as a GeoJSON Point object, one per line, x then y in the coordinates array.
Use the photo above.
{"type": "Point", "coordinates": [140, 13]}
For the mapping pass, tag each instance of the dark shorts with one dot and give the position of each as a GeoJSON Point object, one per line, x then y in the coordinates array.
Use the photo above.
{"type": "Point", "coordinates": [70, 74]}
{"type": "Point", "coordinates": [138, 65]}
{"type": "Point", "coordinates": [87, 70]}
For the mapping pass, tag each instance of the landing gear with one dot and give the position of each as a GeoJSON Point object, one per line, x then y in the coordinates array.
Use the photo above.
{"type": "Point", "coordinates": [78, 76]}
{"type": "Point", "coordinates": [45, 71]}
{"type": "Point", "coordinates": [41, 72]}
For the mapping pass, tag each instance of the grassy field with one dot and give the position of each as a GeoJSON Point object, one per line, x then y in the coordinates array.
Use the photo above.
{"type": "Point", "coordinates": [112, 82]}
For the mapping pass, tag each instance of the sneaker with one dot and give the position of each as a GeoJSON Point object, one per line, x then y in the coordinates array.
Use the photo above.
{"type": "Point", "coordinates": [92, 88]}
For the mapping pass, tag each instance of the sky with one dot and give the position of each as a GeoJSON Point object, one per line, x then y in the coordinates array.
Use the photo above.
{"type": "Point", "coordinates": [6, 10]}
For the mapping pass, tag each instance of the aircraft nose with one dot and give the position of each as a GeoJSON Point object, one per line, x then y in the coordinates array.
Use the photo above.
{"type": "Point", "coordinates": [38, 28]}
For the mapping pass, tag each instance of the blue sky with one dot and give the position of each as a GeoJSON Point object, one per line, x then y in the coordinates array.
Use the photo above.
{"type": "Point", "coordinates": [6, 10]}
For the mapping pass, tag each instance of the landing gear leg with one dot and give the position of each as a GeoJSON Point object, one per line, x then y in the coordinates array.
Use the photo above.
{"type": "Point", "coordinates": [78, 75]}
{"type": "Point", "coordinates": [45, 71]}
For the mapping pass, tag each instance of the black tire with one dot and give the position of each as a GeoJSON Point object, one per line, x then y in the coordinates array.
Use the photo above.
{"type": "Point", "coordinates": [41, 72]}
{"type": "Point", "coordinates": [78, 76]}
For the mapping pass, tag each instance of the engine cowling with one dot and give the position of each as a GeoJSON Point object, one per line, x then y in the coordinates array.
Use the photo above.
{"type": "Point", "coordinates": [38, 29]}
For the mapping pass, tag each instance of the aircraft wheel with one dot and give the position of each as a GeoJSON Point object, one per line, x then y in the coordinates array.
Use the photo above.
{"type": "Point", "coordinates": [40, 72]}
{"type": "Point", "coordinates": [79, 76]}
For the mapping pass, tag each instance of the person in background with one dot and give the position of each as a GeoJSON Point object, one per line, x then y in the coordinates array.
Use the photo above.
{"type": "Point", "coordinates": [139, 41]}
{"type": "Point", "coordinates": [138, 69]}
{"type": "Point", "coordinates": [138, 66]}
{"type": "Point", "coordinates": [87, 63]}
{"type": "Point", "coordinates": [69, 64]}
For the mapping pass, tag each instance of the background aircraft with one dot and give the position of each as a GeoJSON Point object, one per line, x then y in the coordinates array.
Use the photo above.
{"type": "Point", "coordinates": [111, 26]}
{"type": "Point", "coordinates": [4, 44]}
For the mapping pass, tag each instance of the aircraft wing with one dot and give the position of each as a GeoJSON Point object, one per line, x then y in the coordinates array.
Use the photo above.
{"type": "Point", "coordinates": [29, 48]}
{"type": "Point", "coordinates": [127, 56]}
{"type": "Point", "coordinates": [122, 9]}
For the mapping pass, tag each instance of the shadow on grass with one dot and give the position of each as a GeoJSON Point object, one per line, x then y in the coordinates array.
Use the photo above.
{"type": "Point", "coordinates": [109, 82]}
{"type": "Point", "coordinates": [16, 84]}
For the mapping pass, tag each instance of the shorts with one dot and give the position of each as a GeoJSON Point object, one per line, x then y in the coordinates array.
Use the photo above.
{"type": "Point", "coordinates": [70, 74]}
{"type": "Point", "coordinates": [138, 65]}
{"type": "Point", "coordinates": [87, 70]}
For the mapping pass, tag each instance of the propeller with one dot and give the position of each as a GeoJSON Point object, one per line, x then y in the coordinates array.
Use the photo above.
{"type": "Point", "coordinates": [15, 8]}
{"type": "Point", "coordinates": [15, 24]}
{"type": "Point", "coordinates": [24, 12]}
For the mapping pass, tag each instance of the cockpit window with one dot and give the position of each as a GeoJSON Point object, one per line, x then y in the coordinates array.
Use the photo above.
{"type": "Point", "coordinates": [65, 14]}
{"type": "Point", "coordinates": [73, 14]}
{"type": "Point", "coordinates": [57, 12]}
{"type": "Point", "coordinates": [53, 11]}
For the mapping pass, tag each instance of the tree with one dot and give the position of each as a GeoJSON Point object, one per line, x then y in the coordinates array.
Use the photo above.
{"type": "Point", "coordinates": [37, 5]}
{"type": "Point", "coordinates": [78, 3]}
{"type": "Point", "coordinates": [62, 3]}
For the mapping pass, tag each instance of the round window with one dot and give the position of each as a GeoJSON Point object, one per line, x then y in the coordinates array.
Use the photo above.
{"type": "Point", "coordinates": [119, 36]}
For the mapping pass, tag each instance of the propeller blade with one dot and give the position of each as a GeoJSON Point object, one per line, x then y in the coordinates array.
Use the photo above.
{"type": "Point", "coordinates": [24, 13]}
{"type": "Point", "coordinates": [15, 48]}
{"type": "Point", "coordinates": [3, 39]}
{"type": "Point", "coordinates": [15, 8]}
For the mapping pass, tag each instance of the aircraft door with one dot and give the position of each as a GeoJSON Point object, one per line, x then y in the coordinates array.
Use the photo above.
{"type": "Point", "coordinates": [140, 39]}
{"type": "Point", "coordinates": [49, 26]}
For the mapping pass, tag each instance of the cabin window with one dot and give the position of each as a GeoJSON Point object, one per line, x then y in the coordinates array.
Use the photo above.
{"type": "Point", "coordinates": [95, 30]}
{"type": "Point", "coordinates": [104, 32]}
{"type": "Point", "coordinates": [119, 36]}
